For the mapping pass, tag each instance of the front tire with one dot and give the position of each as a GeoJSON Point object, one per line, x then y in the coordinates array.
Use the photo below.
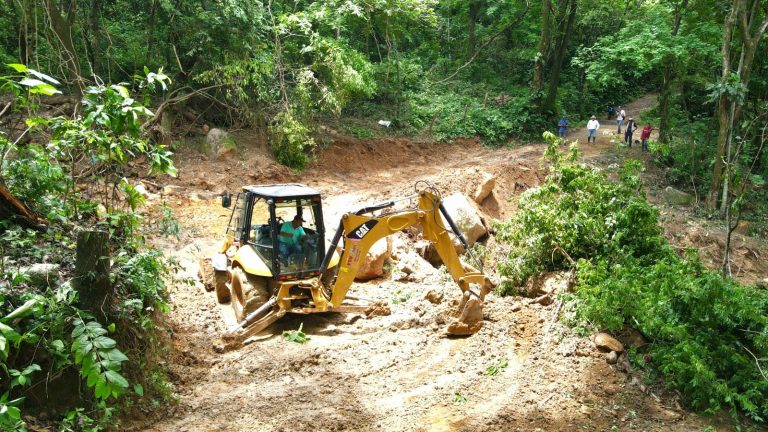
{"type": "Point", "coordinates": [248, 292]}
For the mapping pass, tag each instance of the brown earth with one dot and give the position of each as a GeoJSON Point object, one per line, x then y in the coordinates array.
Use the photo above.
{"type": "Point", "coordinates": [400, 372]}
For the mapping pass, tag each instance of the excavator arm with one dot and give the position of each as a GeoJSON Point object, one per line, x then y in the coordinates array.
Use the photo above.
{"type": "Point", "coordinates": [360, 230]}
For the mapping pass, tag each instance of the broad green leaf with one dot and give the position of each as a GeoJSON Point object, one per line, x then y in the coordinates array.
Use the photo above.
{"type": "Point", "coordinates": [18, 67]}
{"type": "Point", "coordinates": [22, 310]}
{"type": "Point", "coordinates": [102, 389]}
{"type": "Point", "coordinates": [121, 90]}
{"type": "Point", "coordinates": [58, 345]}
{"type": "Point", "coordinates": [103, 342]}
{"type": "Point", "coordinates": [116, 379]}
{"type": "Point", "coordinates": [43, 76]}
{"type": "Point", "coordinates": [138, 389]}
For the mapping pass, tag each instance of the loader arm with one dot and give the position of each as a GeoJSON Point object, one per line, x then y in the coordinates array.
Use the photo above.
{"type": "Point", "coordinates": [360, 231]}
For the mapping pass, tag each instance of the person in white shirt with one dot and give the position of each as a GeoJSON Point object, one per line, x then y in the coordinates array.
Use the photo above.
{"type": "Point", "coordinates": [592, 126]}
{"type": "Point", "coordinates": [620, 120]}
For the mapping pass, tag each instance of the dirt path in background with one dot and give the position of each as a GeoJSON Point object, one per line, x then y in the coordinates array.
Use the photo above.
{"type": "Point", "coordinates": [396, 372]}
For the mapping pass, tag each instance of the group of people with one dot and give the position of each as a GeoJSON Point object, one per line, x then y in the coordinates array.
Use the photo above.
{"type": "Point", "coordinates": [593, 125]}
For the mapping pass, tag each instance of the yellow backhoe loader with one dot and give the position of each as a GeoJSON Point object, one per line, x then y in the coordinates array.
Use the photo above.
{"type": "Point", "coordinates": [264, 278]}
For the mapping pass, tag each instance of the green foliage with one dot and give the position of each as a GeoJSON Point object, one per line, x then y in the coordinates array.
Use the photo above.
{"type": "Point", "coordinates": [708, 335]}
{"type": "Point", "coordinates": [99, 359]}
{"type": "Point", "coordinates": [45, 328]}
{"type": "Point", "coordinates": [292, 143]}
{"type": "Point", "coordinates": [296, 336]}
{"type": "Point", "coordinates": [400, 296]}
{"type": "Point", "coordinates": [497, 367]}
{"type": "Point", "coordinates": [580, 212]}
{"type": "Point", "coordinates": [459, 398]}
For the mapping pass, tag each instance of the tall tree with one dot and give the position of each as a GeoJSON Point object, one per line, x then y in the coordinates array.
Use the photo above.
{"type": "Point", "coordinates": [537, 85]}
{"type": "Point", "coordinates": [744, 19]}
{"type": "Point", "coordinates": [473, 15]}
{"type": "Point", "coordinates": [566, 19]}
{"type": "Point", "coordinates": [61, 17]}
{"type": "Point", "coordinates": [668, 74]}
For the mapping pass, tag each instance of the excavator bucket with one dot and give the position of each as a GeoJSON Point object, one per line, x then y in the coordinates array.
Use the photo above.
{"type": "Point", "coordinates": [470, 319]}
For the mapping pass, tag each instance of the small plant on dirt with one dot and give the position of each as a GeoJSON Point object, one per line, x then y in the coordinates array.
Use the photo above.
{"type": "Point", "coordinates": [497, 367]}
{"type": "Point", "coordinates": [459, 398]}
{"type": "Point", "coordinates": [401, 296]}
{"type": "Point", "coordinates": [297, 336]}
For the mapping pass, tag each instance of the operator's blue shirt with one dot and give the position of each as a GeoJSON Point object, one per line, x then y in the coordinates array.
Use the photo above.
{"type": "Point", "coordinates": [296, 233]}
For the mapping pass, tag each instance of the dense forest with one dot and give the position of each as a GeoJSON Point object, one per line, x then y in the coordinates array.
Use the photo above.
{"type": "Point", "coordinates": [90, 88]}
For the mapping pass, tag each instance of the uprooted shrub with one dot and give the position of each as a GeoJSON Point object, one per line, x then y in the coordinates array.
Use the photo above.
{"type": "Point", "coordinates": [708, 335]}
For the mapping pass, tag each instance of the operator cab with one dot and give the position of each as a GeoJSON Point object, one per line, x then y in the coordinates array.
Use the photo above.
{"type": "Point", "coordinates": [259, 215]}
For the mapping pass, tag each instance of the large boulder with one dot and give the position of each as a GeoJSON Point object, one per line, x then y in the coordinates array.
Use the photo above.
{"type": "Point", "coordinates": [218, 143]}
{"type": "Point", "coordinates": [412, 267]}
{"type": "Point", "coordinates": [373, 263]}
{"type": "Point", "coordinates": [606, 342]}
{"type": "Point", "coordinates": [42, 275]}
{"type": "Point", "coordinates": [466, 216]}
{"type": "Point", "coordinates": [485, 187]}
{"type": "Point", "coordinates": [675, 197]}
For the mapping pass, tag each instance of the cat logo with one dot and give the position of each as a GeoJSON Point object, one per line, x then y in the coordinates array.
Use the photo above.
{"type": "Point", "coordinates": [361, 231]}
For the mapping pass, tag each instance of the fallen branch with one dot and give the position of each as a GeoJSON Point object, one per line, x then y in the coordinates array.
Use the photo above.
{"type": "Point", "coordinates": [12, 207]}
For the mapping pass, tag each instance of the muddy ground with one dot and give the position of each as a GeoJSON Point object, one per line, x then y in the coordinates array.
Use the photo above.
{"type": "Point", "coordinates": [400, 372]}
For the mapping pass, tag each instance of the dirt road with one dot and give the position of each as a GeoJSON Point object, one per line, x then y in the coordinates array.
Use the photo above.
{"type": "Point", "coordinates": [521, 372]}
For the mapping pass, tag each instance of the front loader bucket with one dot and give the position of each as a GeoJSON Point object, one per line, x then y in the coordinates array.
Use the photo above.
{"type": "Point", "coordinates": [470, 319]}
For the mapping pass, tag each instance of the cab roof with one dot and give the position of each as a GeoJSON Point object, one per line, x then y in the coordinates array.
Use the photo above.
{"type": "Point", "coordinates": [287, 190]}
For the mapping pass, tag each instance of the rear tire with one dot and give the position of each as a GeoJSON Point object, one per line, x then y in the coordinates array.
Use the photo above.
{"type": "Point", "coordinates": [248, 292]}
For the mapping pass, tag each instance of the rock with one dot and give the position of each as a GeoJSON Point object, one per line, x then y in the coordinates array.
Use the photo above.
{"type": "Point", "coordinates": [141, 189]}
{"type": "Point", "coordinates": [373, 263]}
{"type": "Point", "coordinates": [195, 197]}
{"type": "Point", "coordinates": [612, 357]}
{"type": "Point", "coordinates": [434, 297]}
{"type": "Point", "coordinates": [217, 140]}
{"type": "Point", "coordinates": [42, 275]}
{"type": "Point", "coordinates": [485, 187]}
{"type": "Point", "coordinates": [171, 190]}
{"type": "Point", "coordinates": [548, 283]}
{"type": "Point", "coordinates": [414, 268]}
{"type": "Point", "coordinates": [742, 227]}
{"type": "Point", "coordinates": [466, 216]}
{"type": "Point", "coordinates": [677, 198]}
{"type": "Point", "coordinates": [225, 151]}
{"type": "Point", "coordinates": [516, 306]}
{"type": "Point", "coordinates": [544, 300]}
{"type": "Point", "coordinates": [604, 341]}
{"type": "Point", "coordinates": [633, 338]}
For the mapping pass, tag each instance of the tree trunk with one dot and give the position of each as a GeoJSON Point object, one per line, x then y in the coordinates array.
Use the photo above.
{"type": "Point", "coordinates": [151, 32]}
{"type": "Point", "coordinates": [728, 110]}
{"type": "Point", "coordinates": [472, 16]}
{"type": "Point", "coordinates": [668, 77]}
{"type": "Point", "coordinates": [95, 45]}
{"type": "Point", "coordinates": [537, 85]}
{"type": "Point", "coordinates": [91, 279]}
{"type": "Point", "coordinates": [564, 38]}
{"type": "Point", "coordinates": [62, 29]}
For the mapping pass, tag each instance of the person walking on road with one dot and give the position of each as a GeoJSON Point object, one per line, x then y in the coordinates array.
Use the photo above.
{"type": "Point", "coordinates": [631, 126]}
{"type": "Point", "coordinates": [645, 135]}
{"type": "Point", "coordinates": [619, 120]}
{"type": "Point", "coordinates": [562, 126]}
{"type": "Point", "coordinates": [592, 126]}
{"type": "Point", "coordinates": [611, 110]}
